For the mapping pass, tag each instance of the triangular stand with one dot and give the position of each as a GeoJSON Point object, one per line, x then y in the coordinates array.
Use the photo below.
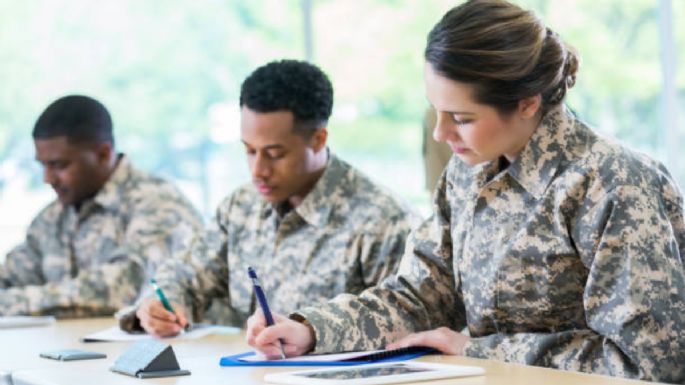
{"type": "Point", "coordinates": [147, 359]}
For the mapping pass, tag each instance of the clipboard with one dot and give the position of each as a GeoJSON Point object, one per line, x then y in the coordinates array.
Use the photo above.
{"type": "Point", "coordinates": [353, 358]}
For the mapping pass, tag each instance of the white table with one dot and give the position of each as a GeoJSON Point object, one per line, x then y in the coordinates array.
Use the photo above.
{"type": "Point", "coordinates": [20, 349]}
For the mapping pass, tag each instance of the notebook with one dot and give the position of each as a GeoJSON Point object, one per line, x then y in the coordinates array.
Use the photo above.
{"type": "Point", "coordinates": [341, 359]}
{"type": "Point", "coordinates": [198, 331]}
{"type": "Point", "coordinates": [8, 322]}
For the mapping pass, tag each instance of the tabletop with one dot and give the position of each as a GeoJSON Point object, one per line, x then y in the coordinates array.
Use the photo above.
{"type": "Point", "coordinates": [21, 347]}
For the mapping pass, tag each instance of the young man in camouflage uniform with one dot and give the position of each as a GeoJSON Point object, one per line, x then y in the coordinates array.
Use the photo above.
{"type": "Point", "coordinates": [311, 225]}
{"type": "Point", "coordinates": [89, 252]}
{"type": "Point", "coordinates": [552, 245]}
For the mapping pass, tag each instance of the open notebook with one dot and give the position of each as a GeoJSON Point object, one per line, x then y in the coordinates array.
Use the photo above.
{"type": "Point", "coordinates": [341, 359]}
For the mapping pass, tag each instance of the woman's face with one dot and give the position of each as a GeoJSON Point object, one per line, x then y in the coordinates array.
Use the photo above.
{"type": "Point", "coordinates": [476, 133]}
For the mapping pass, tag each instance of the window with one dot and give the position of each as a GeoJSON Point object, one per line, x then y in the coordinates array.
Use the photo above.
{"type": "Point", "coordinates": [170, 72]}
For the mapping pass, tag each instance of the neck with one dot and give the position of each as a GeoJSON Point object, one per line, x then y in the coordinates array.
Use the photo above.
{"type": "Point", "coordinates": [102, 176]}
{"type": "Point", "coordinates": [320, 161]}
{"type": "Point", "coordinates": [107, 171]}
{"type": "Point", "coordinates": [111, 166]}
{"type": "Point", "coordinates": [526, 127]}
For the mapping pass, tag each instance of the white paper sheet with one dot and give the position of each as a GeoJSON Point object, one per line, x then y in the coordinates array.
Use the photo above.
{"type": "Point", "coordinates": [7, 322]}
{"type": "Point", "coordinates": [198, 331]}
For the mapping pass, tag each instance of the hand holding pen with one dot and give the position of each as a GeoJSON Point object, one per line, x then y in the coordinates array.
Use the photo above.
{"type": "Point", "coordinates": [159, 317]}
{"type": "Point", "coordinates": [261, 298]}
{"type": "Point", "coordinates": [299, 338]}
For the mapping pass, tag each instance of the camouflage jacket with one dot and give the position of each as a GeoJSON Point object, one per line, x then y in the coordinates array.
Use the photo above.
{"type": "Point", "coordinates": [92, 262]}
{"type": "Point", "coordinates": [345, 236]}
{"type": "Point", "coordinates": [568, 258]}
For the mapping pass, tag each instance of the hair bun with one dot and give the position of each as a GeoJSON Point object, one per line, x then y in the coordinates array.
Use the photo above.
{"type": "Point", "coordinates": [568, 75]}
{"type": "Point", "coordinates": [571, 66]}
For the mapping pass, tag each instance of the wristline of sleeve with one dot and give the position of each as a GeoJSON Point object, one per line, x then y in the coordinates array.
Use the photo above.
{"type": "Point", "coordinates": [301, 319]}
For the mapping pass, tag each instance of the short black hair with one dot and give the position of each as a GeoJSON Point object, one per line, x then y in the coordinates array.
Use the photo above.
{"type": "Point", "coordinates": [290, 85]}
{"type": "Point", "coordinates": [77, 117]}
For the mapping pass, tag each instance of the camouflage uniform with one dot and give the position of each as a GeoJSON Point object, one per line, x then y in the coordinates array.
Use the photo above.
{"type": "Point", "coordinates": [92, 262]}
{"type": "Point", "coordinates": [345, 236]}
{"type": "Point", "coordinates": [568, 258]}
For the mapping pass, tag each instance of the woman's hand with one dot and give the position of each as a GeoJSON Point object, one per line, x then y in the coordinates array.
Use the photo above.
{"type": "Point", "coordinates": [298, 338]}
{"type": "Point", "coordinates": [444, 339]}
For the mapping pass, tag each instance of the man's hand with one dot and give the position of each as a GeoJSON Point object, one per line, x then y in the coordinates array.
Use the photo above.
{"type": "Point", "coordinates": [160, 322]}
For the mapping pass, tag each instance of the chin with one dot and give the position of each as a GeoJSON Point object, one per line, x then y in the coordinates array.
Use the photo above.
{"type": "Point", "coordinates": [65, 200]}
{"type": "Point", "coordinates": [272, 198]}
{"type": "Point", "coordinates": [472, 160]}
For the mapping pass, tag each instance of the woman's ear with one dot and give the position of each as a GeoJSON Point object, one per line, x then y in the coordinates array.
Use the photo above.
{"type": "Point", "coordinates": [530, 106]}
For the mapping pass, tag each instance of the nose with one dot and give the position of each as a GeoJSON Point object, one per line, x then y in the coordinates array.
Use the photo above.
{"type": "Point", "coordinates": [444, 128]}
{"type": "Point", "coordinates": [261, 167]}
{"type": "Point", "coordinates": [49, 176]}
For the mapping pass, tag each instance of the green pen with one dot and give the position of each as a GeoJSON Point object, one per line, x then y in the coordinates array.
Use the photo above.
{"type": "Point", "coordinates": [164, 300]}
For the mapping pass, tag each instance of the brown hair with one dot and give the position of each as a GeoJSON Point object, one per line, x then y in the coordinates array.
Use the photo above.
{"type": "Point", "coordinates": [507, 53]}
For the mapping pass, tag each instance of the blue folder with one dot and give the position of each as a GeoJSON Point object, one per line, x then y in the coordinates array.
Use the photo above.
{"type": "Point", "coordinates": [401, 354]}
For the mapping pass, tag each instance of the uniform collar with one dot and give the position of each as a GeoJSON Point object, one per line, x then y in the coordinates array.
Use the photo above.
{"type": "Point", "coordinates": [109, 195]}
{"type": "Point", "coordinates": [317, 206]}
{"type": "Point", "coordinates": [536, 165]}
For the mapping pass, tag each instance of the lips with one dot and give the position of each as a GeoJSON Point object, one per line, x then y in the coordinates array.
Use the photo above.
{"type": "Point", "coordinates": [264, 189]}
{"type": "Point", "coordinates": [60, 191]}
{"type": "Point", "coordinates": [458, 149]}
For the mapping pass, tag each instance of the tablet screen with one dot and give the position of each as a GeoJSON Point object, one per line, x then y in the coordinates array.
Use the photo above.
{"type": "Point", "coordinates": [357, 373]}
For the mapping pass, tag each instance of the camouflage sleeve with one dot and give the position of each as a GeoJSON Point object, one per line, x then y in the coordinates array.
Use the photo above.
{"type": "Point", "coordinates": [194, 277]}
{"type": "Point", "coordinates": [23, 263]}
{"type": "Point", "coordinates": [422, 295]}
{"type": "Point", "coordinates": [382, 252]}
{"type": "Point", "coordinates": [199, 275]}
{"type": "Point", "coordinates": [634, 298]}
{"type": "Point", "coordinates": [91, 293]}
{"type": "Point", "coordinates": [115, 278]}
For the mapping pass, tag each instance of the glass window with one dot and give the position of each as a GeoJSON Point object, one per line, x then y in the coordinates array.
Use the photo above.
{"type": "Point", "coordinates": [170, 72]}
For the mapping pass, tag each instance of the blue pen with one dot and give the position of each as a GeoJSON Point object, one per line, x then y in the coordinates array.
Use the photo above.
{"type": "Point", "coordinates": [261, 298]}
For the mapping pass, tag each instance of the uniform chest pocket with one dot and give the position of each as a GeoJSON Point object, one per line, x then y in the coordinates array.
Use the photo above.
{"type": "Point", "coordinates": [240, 286]}
{"type": "Point", "coordinates": [541, 291]}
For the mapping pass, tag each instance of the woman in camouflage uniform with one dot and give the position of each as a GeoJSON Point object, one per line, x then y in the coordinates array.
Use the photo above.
{"type": "Point", "coordinates": [551, 245]}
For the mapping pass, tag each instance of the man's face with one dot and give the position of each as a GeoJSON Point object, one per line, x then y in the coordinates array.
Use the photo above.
{"type": "Point", "coordinates": [282, 162]}
{"type": "Point", "coordinates": [75, 171]}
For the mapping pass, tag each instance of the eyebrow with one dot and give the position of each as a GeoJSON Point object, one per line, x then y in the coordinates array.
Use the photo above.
{"type": "Point", "coordinates": [49, 161]}
{"type": "Point", "coordinates": [267, 147]}
{"type": "Point", "coordinates": [450, 112]}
